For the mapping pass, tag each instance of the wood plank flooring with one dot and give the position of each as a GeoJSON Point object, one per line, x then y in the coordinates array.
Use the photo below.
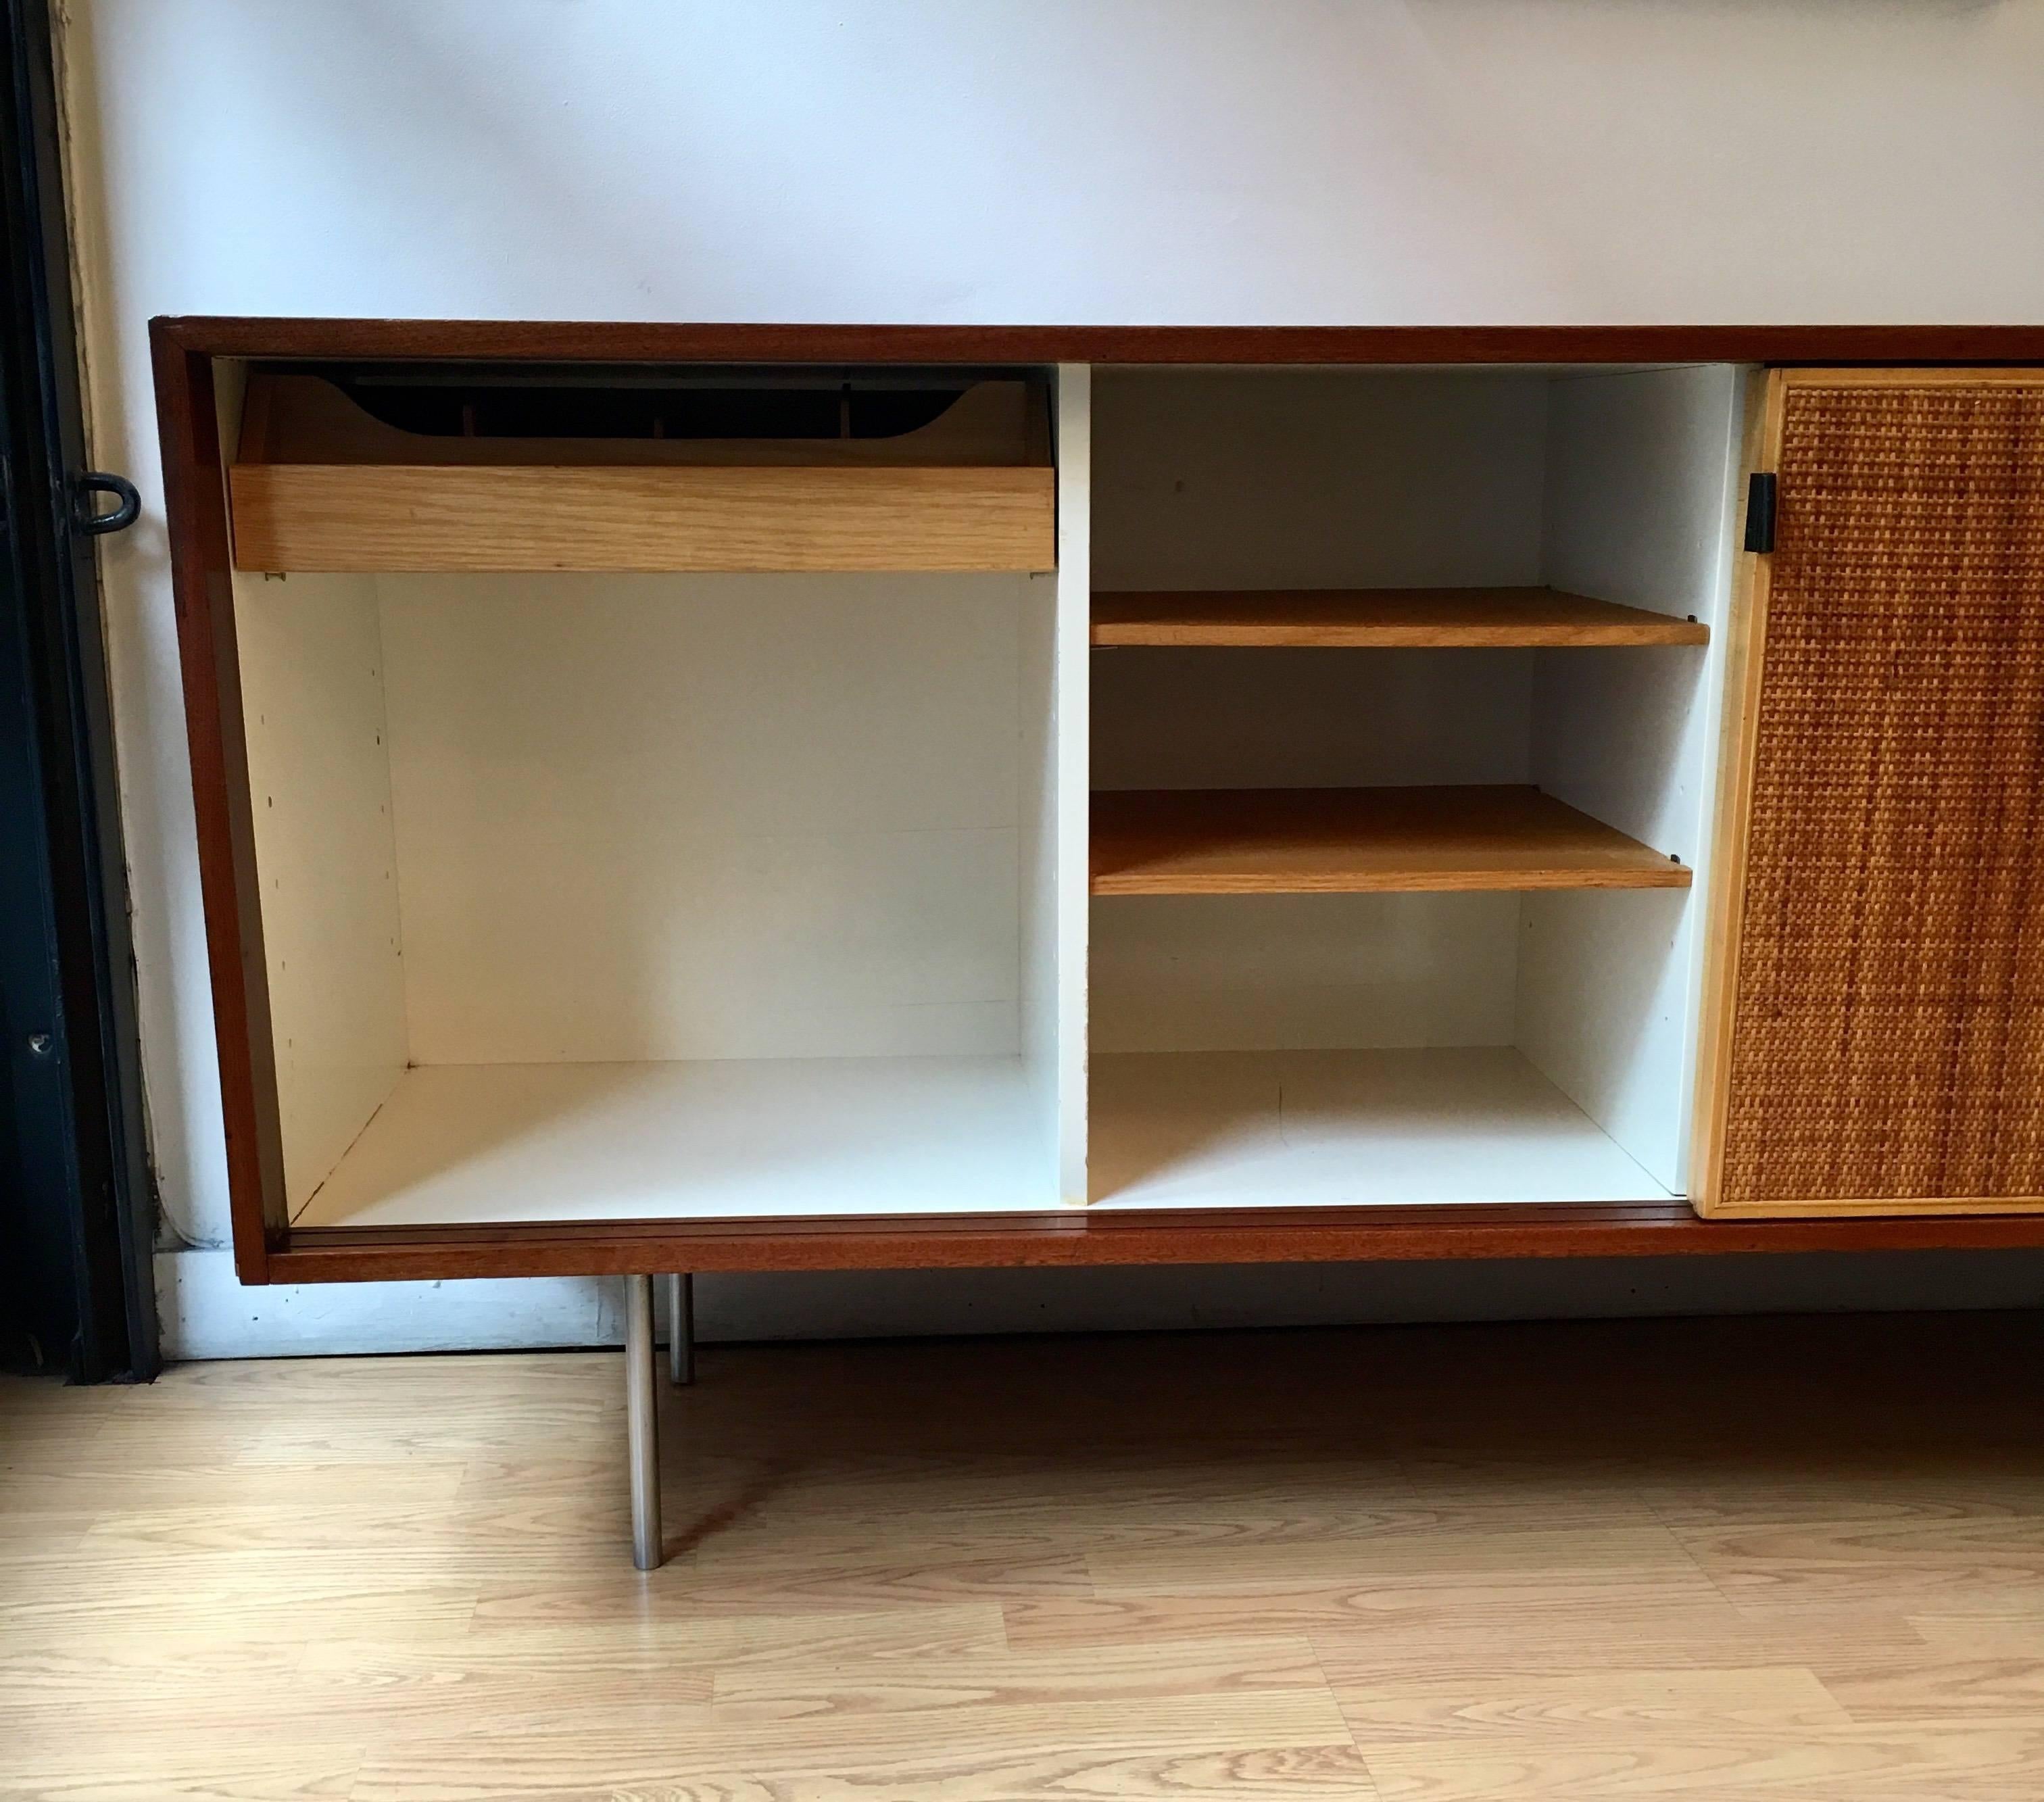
{"type": "Point", "coordinates": [1725, 1559]}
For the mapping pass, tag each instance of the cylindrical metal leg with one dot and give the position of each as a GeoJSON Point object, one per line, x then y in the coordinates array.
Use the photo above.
{"type": "Point", "coordinates": [681, 1329]}
{"type": "Point", "coordinates": [642, 1422]}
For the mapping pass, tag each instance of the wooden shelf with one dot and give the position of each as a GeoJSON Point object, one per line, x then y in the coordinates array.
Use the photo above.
{"type": "Point", "coordinates": [1382, 617]}
{"type": "Point", "coordinates": [321, 485]}
{"type": "Point", "coordinates": [1326, 841]}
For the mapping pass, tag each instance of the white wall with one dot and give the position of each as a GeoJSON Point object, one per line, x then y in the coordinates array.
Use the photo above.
{"type": "Point", "coordinates": [1345, 161]}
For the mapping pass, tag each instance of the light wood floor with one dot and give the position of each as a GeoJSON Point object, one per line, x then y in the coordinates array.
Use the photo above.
{"type": "Point", "coordinates": [1732, 1559]}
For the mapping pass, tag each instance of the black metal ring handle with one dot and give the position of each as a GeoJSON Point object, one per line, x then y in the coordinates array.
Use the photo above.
{"type": "Point", "coordinates": [127, 510]}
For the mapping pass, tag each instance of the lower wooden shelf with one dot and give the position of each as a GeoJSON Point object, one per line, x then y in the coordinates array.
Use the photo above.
{"type": "Point", "coordinates": [1303, 841]}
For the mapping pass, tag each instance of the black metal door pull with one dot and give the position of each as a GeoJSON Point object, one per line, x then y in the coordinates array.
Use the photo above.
{"type": "Point", "coordinates": [127, 509]}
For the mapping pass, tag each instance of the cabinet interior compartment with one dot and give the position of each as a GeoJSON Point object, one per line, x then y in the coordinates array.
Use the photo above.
{"type": "Point", "coordinates": [643, 896]}
{"type": "Point", "coordinates": [1405, 694]}
{"type": "Point", "coordinates": [591, 896]}
{"type": "Point", "coordinates": [492, 469]}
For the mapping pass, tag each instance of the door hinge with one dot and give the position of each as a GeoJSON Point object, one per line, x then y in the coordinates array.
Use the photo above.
{"type": "Point", "coordinates": [1761, 494]}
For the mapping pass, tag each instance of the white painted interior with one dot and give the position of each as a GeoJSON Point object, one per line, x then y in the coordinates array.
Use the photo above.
{"type": "Point", "coordinates": [319, 770]}
{"type": "Point", "coordinates": [1354, 1129]}
{"type": "Point", "coordinates": [1615, 484]}
{"type": "Point", "coordinates": [758, 816]}
{"type": "Point", "coordinates": [744, 1138]}
{"type": "Point", "coordinates": [1316, 479]}
{"type": "Point", "coordinates": [630, 832]}
{"type": "Point", "coordinates": [1217, 478]}
{"type": "Point", "coordinates": [1538, 161]}
{"type": "Point", "coordinates": [1642, 475]}
{"type": "Point", "coordinates": [1222, 717]}
{"type": "Point", "coordinates": [691, 897]}
{"type": "Point", "coordinates": [1184, 973]}
{"type": "Point", "coordinates": [642, 820]}
{"type": "Point", "coordinates": [1219, 973]}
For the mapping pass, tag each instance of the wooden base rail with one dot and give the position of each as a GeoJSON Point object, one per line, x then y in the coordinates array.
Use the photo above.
{"type": "Point", "coordinates": [1080, 1238]}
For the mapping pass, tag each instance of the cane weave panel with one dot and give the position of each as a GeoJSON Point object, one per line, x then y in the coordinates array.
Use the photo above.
{"type": "Point", "coordinates": [1887, 1026]}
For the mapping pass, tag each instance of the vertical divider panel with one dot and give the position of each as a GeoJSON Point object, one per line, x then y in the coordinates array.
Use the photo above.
{"type": "Point", "coordinates": [1057, 781]}
{"type": "Point", "coordinates": [1642, 493]}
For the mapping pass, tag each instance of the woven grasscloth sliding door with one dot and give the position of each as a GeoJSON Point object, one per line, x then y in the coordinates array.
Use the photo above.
{"type": "Point", "coordinates": [1876, 1040]}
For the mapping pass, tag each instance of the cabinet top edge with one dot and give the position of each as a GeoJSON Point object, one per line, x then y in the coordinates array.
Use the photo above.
{"type": "Point", "coordinates": [563, 340]}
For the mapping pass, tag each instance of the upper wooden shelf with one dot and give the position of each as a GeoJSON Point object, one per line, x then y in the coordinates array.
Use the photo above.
{"type": "Point", "coordinates": [1328, 841]}
{"type": "Point", "coordinates": [320, 483]}
{"type": "Point", "coordinates": [1334, 618]}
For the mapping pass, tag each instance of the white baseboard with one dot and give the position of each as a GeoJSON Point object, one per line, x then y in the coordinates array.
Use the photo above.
{"type": "Point", "coordinates": [206, 1313]}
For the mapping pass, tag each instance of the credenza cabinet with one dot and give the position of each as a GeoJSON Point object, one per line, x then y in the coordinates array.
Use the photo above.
{"type": "Point", "coordinates": [675, 798]}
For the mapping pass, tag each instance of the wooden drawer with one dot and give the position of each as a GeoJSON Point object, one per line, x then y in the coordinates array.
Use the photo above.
{"type": "Point", "coordinates": [322, 485]}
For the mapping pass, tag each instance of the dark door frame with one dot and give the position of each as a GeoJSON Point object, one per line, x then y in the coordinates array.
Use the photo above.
{"type": "Point", "coordinates": [74, 1190]}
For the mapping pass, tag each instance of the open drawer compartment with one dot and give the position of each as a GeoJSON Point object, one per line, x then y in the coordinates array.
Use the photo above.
{"type": "Point", "coordinates": [349, 470]}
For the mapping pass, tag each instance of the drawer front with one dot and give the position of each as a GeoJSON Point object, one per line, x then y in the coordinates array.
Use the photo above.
{"type": "Point", "coordinates": [368, 517]}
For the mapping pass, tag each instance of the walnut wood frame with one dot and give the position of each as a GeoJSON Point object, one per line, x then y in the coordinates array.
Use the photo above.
{"type": "Point", "coordinates": [267, 1249]}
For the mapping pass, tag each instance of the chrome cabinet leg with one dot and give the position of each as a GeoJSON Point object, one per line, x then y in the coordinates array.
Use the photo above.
{"type": "Point", "coordinates": [642, 1422]}
{"type": "Point", "coordinates": [681, 1329]}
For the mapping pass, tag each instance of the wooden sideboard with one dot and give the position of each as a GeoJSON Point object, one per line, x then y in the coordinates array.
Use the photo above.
{"type": "Point", "coordinates": [1108, 795]}
{"type": "Point", "coordinates": [752, 798]}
